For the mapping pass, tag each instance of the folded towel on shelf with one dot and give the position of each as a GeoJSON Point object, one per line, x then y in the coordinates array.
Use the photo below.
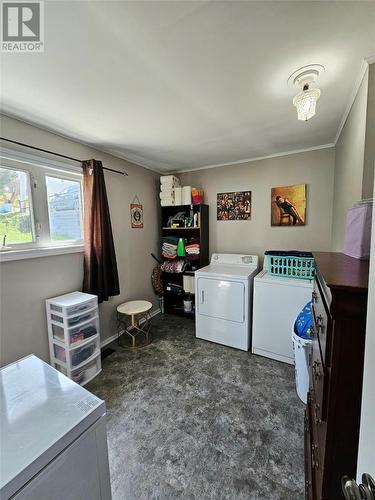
{"type": "Point", "coordinates": [167, 195]}
{"type": "Point", "coordinates": [167, 188]}
{"type": "Point", "coordinates": [192, 250]}
{"type": "Point", "coordinates": [167, 202]}
{"type": "Point", "coordinates": [170, 179]}
{"type": "Point", "coordinates": [169, 247]}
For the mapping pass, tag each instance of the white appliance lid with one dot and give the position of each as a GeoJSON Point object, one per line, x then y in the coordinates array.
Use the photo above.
{"type": "Point", "coordinates": [265, 277]}
{"type": "Point", "coordinates": [230, 265]}
{"type": "Point", "coordinates": [242, 272]}
{"type": "Point", "coordinates": [42, 412]}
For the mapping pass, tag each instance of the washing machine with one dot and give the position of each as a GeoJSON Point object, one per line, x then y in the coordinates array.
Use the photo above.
{"type": "Point", "coordinates": [277, 302]}
{"type": "Point", "coordinates": [223, 296]}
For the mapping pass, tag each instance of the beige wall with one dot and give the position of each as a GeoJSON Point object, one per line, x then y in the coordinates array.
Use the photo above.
{"type": "Point", "coordinates": [368, 165]}
{"type": "Point", "coordinates": [347, 172]}
{"type": "Point", "coordinates": [314, 168]}
{"type": "Point", "coordinates": [25, 284]}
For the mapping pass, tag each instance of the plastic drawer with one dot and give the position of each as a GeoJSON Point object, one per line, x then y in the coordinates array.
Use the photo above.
{"type": "Point", "coordinates": [80, 319]}
{"type": "Point", "coordinates": [78, 355]}
{"type": "Point", "coordinates": [75, 320]}
{"type": "Point", "coordinates": [82, 354]}
{"type": "Point", "coordinates": [87, 372]}
{"type": "Point", "coordinates": [77, 334]}
{"type": "Point", "coordinates": [75, 309]}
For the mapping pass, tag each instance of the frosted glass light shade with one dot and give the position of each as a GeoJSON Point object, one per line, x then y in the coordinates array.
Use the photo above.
{"type": "Point", "coordinates": [305, 102]}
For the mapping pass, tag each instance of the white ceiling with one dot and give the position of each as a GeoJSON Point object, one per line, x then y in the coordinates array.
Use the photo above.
{"type": "Point", "coordinates": [185, 84]}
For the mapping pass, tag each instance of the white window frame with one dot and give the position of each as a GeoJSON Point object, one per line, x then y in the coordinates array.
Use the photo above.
{"type": "Point", "coordinates": [38, 168]}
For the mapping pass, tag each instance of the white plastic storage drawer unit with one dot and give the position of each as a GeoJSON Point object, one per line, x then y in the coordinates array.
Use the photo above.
{"type": "Point", "coordinates": [73, 331]}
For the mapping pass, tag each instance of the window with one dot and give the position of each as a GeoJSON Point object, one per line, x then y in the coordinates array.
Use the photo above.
{"type": "Point", "coordinates": [40, 205]}
{"type": "Point", "coordinates": [64, 209]}
{"type": "Point", "coordinates": [16, 223]}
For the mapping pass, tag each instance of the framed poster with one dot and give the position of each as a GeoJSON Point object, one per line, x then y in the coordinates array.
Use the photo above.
{"type": "Point", "coordinates": [136, 215]}
{"type": "Point", "coordinates": [234, 206]}
{"type": "Point", "coordinates": [288, 205]}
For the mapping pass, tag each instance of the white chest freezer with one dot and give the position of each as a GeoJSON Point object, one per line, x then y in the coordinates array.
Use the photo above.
{"type": "Point", "coordinates": [276, 304]}
{"type": "Point", "coordinates": [53, 436]}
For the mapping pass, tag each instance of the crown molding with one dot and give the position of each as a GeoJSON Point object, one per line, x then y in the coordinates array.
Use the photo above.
{"type": "Point", "coordinates": [247, 160]}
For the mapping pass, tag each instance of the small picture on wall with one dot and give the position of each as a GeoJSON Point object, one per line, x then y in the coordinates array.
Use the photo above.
{"type": "Point", "coordinates": [234, 206]}
{"type": "Point", "coordinates": [136, 214]}
{"type": "Point", "coordinates": [288, 205]}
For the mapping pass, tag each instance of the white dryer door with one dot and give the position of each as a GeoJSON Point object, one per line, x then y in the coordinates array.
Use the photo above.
{"type": "Point", "coordinates": [223, 299]}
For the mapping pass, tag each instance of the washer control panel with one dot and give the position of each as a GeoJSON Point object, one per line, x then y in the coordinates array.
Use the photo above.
{"type": "Point", "coordinates": [234, 259]}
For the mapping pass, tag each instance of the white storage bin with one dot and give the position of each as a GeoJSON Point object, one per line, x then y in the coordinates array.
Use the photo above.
{"type": "Point", "coordinates": [302, 349]}
{"type": "Point", "coordinates": [74, 337]}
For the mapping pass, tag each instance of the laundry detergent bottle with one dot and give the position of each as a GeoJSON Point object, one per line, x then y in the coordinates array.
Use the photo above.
{"type": "Point", "coordinates": [181, 248]}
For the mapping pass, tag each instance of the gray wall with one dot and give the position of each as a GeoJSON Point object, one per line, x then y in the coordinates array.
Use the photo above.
{"type": "Point", "coordinates": [25, 284]}
{"type": "Point", "coordinates": [314, 168]}
{"type": "Point", "coordinates": [354, 163]}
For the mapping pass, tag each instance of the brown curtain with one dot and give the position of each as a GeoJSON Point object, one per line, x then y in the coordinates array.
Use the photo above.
{"type": "Point", "coordinates": [100, 267]}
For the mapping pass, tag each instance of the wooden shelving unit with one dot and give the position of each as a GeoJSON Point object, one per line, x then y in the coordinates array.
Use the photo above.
{"type": "Point", "coordinates": [174, 293]}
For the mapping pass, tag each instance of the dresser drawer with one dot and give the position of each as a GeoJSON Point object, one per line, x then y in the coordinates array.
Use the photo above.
{"type": "Point", "coordinates": [322, 323]}
{"type": "Point", "coordinates": [313, 459]}
{"type": "Point", "coordinates": [319, 426]}
{"type": "Point", "coordinates": [319, 381]}
{"type": "Point", "coordinates": [308, 466]}
{"type": "Point", "coordinates": [316, 470]}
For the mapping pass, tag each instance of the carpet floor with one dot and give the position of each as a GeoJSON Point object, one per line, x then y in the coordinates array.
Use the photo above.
{"type": "Point", "coordinates": [189, 419]}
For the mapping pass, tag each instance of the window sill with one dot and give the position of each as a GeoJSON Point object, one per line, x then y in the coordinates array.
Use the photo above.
{"type": "Point", "coordinates": [33, 253]}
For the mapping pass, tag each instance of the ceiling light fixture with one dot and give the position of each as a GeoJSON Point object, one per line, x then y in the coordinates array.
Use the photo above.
{"type": "Point", "coordinates": [305, 101]}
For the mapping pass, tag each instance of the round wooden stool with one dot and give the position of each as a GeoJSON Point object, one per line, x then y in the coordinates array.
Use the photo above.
{"type": "Point", "coordinates": [136, 336]}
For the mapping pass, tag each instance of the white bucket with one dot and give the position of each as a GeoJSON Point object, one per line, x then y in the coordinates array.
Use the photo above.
{"type": "Point", "coordinates": [302, 349]}
{"type": "Point", "coordinates": [188, 306]}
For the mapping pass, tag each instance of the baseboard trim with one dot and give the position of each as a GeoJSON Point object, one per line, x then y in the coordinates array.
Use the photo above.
{"type": "Point", "coordinates": [110, 339]}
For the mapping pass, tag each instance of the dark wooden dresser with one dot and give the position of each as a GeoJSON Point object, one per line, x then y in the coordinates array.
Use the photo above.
{"type": "Point", "coordinates": [332, 414]}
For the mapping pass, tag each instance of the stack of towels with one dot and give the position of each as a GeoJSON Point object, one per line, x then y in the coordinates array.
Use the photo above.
{"type": "Point", "coordinates": [169, 247]}
{"type": "Point", "coordinates": [168, 186]}
{"type": "Point", "coordinates": [192, 250]}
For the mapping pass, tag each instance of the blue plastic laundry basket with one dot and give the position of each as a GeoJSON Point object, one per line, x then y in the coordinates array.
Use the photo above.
{"type": "Point", "coordinates": [293, 264]}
